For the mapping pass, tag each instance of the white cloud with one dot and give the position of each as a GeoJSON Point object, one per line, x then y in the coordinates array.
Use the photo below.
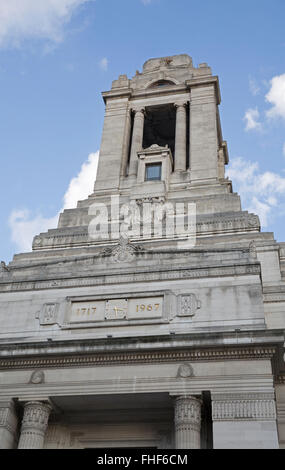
{"type": "Point", "coordinates": [82, 185]}
{"type": "Point", "coordinates": [146, 2]}
{"type": "Point", "coordinates": [44, 19]}
{"type": "Point", "coordinates": [276, 97]}
{"type": "Point", "coordinates": [251, 117]}
{"type": "Point", "coordinates": [261, 192]}
{"type": "Point", "coordinates": [24, 226]}
{"type": "Point", "coordinates": [103, 64]}
{"type": "Point", "coordinates": [253, 86]}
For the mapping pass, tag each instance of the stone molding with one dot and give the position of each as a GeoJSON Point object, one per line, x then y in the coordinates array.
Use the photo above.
{"type": "Point", "coordinates": [106, 279]}
{"type": "Point", "coordinates": [137, 358]}
{"type": "Point", "coordinates": [245, 406]}
{"type": "Point", "coordinates": [234, 223]}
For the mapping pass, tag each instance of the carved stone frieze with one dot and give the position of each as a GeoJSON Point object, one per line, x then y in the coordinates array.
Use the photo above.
{"type": "Point", "coordinates": [244, 407]}
{"type": "Point", "coordinates": [137, 357]}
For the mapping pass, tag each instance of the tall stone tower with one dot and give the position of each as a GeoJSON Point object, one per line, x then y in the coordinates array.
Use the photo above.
{"type": "Point", "coordinates": [146, 340]}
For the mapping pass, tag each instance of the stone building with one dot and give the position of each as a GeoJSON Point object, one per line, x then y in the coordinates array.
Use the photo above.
{"type": "Point", "coordinates": [145, 341]}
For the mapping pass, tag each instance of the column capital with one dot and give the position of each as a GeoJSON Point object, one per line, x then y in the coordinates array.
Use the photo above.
{"type": "Point", "coordinates": [34, 424]}
{"type": "Point", "coordinates": [137, 110]}
{"type": "Point", "coordinates": [181, 105]}
{"type": "Point", "coordinates": [188, 410]}
{"type": "Point", "coordinates": [187, 422]}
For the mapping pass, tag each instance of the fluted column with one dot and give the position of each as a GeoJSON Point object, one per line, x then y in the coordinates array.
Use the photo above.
{"type": "Point", "coordinates": [137, 140]}
{"type": "Point", "coordinates": [187, 422]}
{"type": "Point", "coordinates": [180, 138]}
{"type": "Point", "coordinates": [34, 425]}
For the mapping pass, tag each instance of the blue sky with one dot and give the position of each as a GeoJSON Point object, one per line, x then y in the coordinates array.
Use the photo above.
{"type": "Point", "coordinates": [57, 57]}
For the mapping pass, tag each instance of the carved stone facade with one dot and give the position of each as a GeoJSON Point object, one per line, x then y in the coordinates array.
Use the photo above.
{"type": "Point", "coordinates": [142, 339]}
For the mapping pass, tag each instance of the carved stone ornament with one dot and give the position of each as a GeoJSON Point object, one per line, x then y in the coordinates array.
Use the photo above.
{"type": "Point", "coordinates": [48, 315]}
{"type": "Point", "coordinates": [252, 251]}
{"type": "Point", "coordinates": [124, 252]}
{"type": "Point", "coordinates": [37, 377]}
{"type": "Point", "coordinates": [116, 309]}
{"type": "Point", "coordinates": [185, 371]}
{"type": "Point", "coordinates": [151, 200]}
{"type": "Point", "coordinates": [37, 241]}
{"type": "Point", "coordinates": [189, 304]}
{"type": "Point", "coordinates": [3, 267]}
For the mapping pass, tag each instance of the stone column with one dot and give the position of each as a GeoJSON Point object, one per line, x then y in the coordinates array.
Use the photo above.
{"type": "Point", "coordinates": [125, 152]}
{"type": "Point", "coordinates": [137, 141]}
{"type": "Point", "coordinates": [180, 137]}
{"type": "Point", "coordinates": [187, 422]}
{"type": "Point", "coordinates": [8, 425]}
{"type": "Point", "coordinates": [203, 134]}
{"type": "Point", "coordinates": [34, 425]}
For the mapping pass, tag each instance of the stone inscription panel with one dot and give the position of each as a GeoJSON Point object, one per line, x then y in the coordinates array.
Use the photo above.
{"type": "Point", "coordinates": [116, 309]}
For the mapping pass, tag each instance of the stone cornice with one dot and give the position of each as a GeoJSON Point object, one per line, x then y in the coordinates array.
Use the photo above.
{"type": "Point", "coordinates": [202, 81]}
{"type": "Point", "coordinates": [107, 278]}
{"type": "Point", "coordinates": [117, 93]}
{"type": "Point", "coordinates": [137, 358]}
{"type": "Point", "coordinates": [167, 348]}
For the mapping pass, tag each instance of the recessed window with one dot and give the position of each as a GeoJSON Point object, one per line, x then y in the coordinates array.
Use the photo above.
{"type": "Point", "coordinates": [160, 83]}
{"type": "Point", "coordinates": [153, 172]}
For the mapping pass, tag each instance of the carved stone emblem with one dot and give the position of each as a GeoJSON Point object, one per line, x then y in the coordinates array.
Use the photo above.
{"type": "Point", "coordinates": [48, 315]}
{"type": "Point", "coordinates": [185, 371]}
{"type": "Point", "coordinates": [252, 251]}
{"type": "Point", "coordinates": [124, 252]}
{"type": "Point", "coordinates": [189, 304]}
{"type": "Point", "coordinates": [37, 241]}
{"type": "Point", "coordinates": [37, 377]}
{"type": "Point", "coordinates": [151, 200]}
{"type": "Point", "coordinates": [116, 309]}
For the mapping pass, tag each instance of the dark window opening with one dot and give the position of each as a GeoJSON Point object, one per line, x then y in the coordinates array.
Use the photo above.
{"type": "Point", "coordinates": [130, 142]}
{"type": "Point", "coordinates": [159, 127]}
{"type": "Point", "coordinates": [187, 136]}
{"type": "Point", "coordinates": [153, 172]}
{"type": "Point", "coordinates": [207, 422]}
{"type": "Point", "coordinates": [160, 83]}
